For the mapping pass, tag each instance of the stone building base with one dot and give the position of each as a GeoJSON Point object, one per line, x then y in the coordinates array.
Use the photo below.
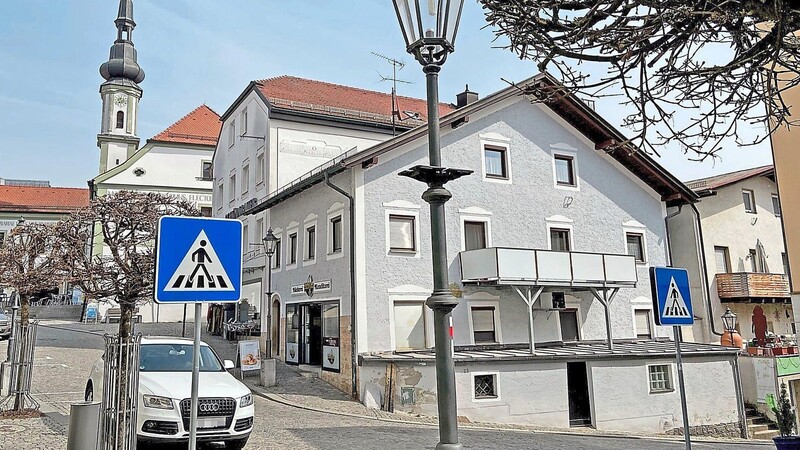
{"type": "Point", "coordinates": [731, 429]}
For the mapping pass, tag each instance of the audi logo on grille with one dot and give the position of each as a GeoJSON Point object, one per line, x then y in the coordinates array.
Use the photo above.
{"type": "Point", "coordinates": [209, 407]}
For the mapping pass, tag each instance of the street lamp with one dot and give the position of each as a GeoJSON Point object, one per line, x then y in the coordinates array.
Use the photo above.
{"type": "Point", "coordinates": [731, 337]}
{"type": "Point", "coordinates": [429, 29]}
{"type": "Point", "coordinates": [266, 320]}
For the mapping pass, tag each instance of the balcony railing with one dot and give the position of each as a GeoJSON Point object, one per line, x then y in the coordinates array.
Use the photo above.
{"type": "Point", "coordinates": [749, 285]}
{"type": "Point", "coordinates": [496, 265]}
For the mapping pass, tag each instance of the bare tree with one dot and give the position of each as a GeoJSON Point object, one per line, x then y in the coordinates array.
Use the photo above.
{"type": "Point", "coordinates": [27, 265]}
{"type": "Point", "coordinates": [693, 71]}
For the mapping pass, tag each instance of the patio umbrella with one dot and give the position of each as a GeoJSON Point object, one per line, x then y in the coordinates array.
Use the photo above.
{"type": "Point", "coordinates": [762, 256]}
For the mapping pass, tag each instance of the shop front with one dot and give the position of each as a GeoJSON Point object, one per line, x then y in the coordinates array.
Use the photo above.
{"type": "Point", "coordinates": [313, 333]}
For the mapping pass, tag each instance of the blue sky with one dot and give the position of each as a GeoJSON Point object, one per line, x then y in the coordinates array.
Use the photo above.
{"type": "Point", "coordinates": [206, 51]}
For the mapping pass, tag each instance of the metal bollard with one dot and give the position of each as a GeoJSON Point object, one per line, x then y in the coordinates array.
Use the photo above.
{"type": "Point", "coordinates": [84, 420]}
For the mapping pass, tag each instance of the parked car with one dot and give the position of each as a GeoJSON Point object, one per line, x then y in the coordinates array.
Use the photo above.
{"type": "Point", "coordinates": [165, 379]}
{"type": "Point", "coordinates": [5, 326]}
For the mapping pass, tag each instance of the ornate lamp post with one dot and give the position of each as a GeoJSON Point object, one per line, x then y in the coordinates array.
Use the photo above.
{"type": "Point", "coordinates": [731, 337]}
{"type": "Point", "coordinates": [429, 29]}
{"type": "Point", "coordinates": [266, 320]}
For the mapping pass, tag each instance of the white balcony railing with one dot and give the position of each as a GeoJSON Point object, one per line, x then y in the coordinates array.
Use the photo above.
{"type": "Point", "coordinates": [497, 265]}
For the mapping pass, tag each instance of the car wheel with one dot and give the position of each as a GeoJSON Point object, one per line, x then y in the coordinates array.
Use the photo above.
{"type": "Point", "coordinates": [88, 394]}
{"type": "Point", "coordinates": [236, 445]}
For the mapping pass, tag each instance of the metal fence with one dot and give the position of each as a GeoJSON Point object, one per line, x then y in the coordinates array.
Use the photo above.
{"type": "Point", "coordinates": [20, 368]}
{"type": "Point", "coordinates": [119, 403]}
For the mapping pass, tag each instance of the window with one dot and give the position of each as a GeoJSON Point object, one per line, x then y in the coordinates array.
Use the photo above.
{"type": "Point", "coordinates": [776, 205]}
{"type": "Point", "coordinates": [409, 326]}
{"type": "Point", "coordinates": [749, 201]}
{"type": "Point", "coordinates": [120, 119]}
{"type": "Point", "coordinates": [276, 258]}
{"type": "Point", "coordinates": [559, 239]}
{"type": "Point", "coordinates": [207, 171]}
{"type": "Point", "coordinates": [635, 242]}
{"type": "Point", "coordinates": [569, 325]}
{"type": "Point", "coordinates": [723, 259]}
{"type": "Point", "coordinates": [660, 377]}
{"type": "Point", "coordinates": [565, 172]}
{"type": "Point", "coordinates": [495, 161]}
{"type": "Point", "coordinates": [401, 233]}
{"type": "Point", "coordinates": [485, 386]}
{"type": "Point", "coordinates": [642, 323]}
{"type": "Point", "coordinates": [336, 232]}
{"type": "Point", "coordinates": [293, 248]}
{"type": "Point", "coordinates": [260, 168]}
{"type": "Point", "coordinates": [231, 133]}
{"type": "Point", "coordinates": [483, 329]}
{"type": "Point", "coordinates": [3, 238]}
{"type": "Point", "coordinates": [474, 235]}
{"type": "Point", "coordinates": [752, 255]}
{"type": "Point", "coordinates": [245, 179]}
{"type": "Point", "coordinates": [311, 240]}
{"type": "Point", "coordinates": [784, 258]}
{"type": "Point", "coordinates": [260, 228]}
{"type": "Point", "coordinates": [244, 122]}
{"type": "Point", "coordinates": [246, 238]}
{"type": "Point", "coordinates": [205, 211]}
{"type": "Point", "coordinates": [220, 194]}
{"type": "Point", "coordinates": [232, 187]}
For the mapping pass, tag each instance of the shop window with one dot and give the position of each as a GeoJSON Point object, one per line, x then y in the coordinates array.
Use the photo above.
{"type": "Point", "coordinates": [485, 386]}
{"type": "Point", "coordinates": [409, 326]}
{"type": "Point", "coordinates": [660, 377]}
{"type": "Point", "coordinates": [483, 324]}
{"type": "Point", "coordinates": [330, 336]}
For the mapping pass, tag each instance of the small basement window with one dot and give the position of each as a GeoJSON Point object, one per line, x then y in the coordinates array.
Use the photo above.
{"type": "Point", "coordinates": [485, 386]}
{"type": "Point", "coordinates": [660, 377]}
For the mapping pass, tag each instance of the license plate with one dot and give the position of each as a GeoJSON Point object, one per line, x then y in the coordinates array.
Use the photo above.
{"type": "Point", "coordinates": [210, 422]}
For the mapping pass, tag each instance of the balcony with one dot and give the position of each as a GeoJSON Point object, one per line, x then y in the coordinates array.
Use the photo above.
{"type": "Point", "coordinates": [750, 286]}
{"type": "Point", "coordinates": [517, 266]}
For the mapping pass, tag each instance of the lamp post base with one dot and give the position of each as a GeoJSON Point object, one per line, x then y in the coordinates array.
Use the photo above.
{"type": "Point", "coordinates": [268, 372]}
{"type": "Point", "coordinates": [441, 446]}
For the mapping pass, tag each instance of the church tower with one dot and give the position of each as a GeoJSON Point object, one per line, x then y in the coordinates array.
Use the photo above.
{"type": "Point", "coordinates": [120, 94]}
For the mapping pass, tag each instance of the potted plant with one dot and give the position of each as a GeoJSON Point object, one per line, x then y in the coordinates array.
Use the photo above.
{"type": "Point", "coordinates": [786, 423]}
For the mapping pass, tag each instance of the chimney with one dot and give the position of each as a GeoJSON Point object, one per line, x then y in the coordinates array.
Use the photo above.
{"type": "Point", "coordinates": [466, 97]}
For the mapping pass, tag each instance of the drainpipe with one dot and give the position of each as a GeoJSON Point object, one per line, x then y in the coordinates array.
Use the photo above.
{"type": "Point", "coordinates": [353, 337]}
{"type": "Point", "coordinates": [666, 228]}
{"type": "Point", "coordinates": [704, 278]}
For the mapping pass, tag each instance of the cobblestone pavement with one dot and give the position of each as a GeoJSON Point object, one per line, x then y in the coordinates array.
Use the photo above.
{"type": "Point", "coordinates": [66, 351]}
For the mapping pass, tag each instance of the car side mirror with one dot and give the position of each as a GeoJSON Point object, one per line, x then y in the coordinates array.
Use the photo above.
{"type": "Point", "coordinates": [228, 364]}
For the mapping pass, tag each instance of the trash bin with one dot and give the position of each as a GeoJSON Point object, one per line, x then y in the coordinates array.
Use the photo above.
{"type": "Point", "coordinates": [84, 421]}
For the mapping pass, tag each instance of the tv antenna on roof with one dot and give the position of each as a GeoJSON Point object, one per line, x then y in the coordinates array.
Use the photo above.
{"type": "Point", "coordinates": [396, 65]}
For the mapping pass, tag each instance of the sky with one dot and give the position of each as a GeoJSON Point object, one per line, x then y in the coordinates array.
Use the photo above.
{"type": "Point", "coordinates": [206, 51]}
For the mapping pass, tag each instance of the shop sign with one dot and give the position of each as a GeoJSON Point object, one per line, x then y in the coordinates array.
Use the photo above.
{"type": "Point", "coordinates": [240, 210]}
{"type": "Point", "coordinates": [310, 287]}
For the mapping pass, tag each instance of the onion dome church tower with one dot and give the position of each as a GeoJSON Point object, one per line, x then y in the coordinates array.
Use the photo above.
{"type": "Point", "coordinates": [120, 94]}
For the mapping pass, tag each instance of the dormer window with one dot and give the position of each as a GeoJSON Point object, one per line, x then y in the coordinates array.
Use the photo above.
{"type": "Point", "coordinates": [120, 120]}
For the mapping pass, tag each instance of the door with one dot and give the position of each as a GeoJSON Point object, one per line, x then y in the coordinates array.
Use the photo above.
{"type": "Point", "coordinates": [569, 325]}
{"type": "Point", "coordinates": [314, 334]}
{"type": "Point", "coordinates": [580, 412]}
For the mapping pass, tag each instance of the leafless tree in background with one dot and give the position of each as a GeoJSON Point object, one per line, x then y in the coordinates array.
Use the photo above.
{"type": "Point", "coordinates": [692, 71]}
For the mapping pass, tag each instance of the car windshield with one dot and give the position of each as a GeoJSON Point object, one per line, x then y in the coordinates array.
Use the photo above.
{"type": "Point", "coordinates": [176, 358]}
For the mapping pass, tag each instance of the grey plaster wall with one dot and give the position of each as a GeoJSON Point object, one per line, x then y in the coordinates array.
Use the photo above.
{"type": "Point", "coordinates": [608, 197]}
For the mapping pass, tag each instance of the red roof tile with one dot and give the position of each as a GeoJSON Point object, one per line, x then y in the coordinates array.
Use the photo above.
{"type": "Point", "coordinates": [199, 127]}
{"type": "Point", "coordinates": [319, 97]}
{"type": "Point", "coordinates": [42, 199]}
{"type": "Point", "coordinates": [726, 179]}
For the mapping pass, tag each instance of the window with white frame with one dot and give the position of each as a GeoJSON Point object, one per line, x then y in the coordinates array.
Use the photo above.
{"type": "Point", "coordinates": [311, 243]}
{"type": "Point", "coordinates": [635, 245]}
{"type": "Point", "coordinates": [232, 133]}
{"type": "Point", "coordinates": [260, 168]}
{"type": "Point", "coordinates": [660, 378]}
{"type": "Point", "coordinates": [565, 170]}
{"type": "Point", "coordinates": [206, 170]}
{"type": "Point", "coordinates": [246, 238]}
{"type": "Point", "coordinates": [205, 211]}
{"type": "Point", "coordinates": [220, 194]}
{"type": "Point", "coordinates": [245, 178]}
{"type": "Point", "coordinates": [409, 326]}
{"type": "Point", "coordinates": [475, 235]}
{"type": "Point", "coordinates": [776, 205]}
{"type": "Point", "coordinates": [232, 188]}
{"type": "Point", "coordinates": [495, 160]}
{"type": "Point", "coordinates": [723, 259]}
{"type": "Point", "coordinates": [483, 324]}
{"type": "Point", "coordinates": [402, 233]}
{"type": "Point", "coordinates": [336, 234]}
{"type": "Point", "coordinates": [244, 121]}
{"type": "Point", "coordinates": [292, 248]}
{"type": "Point", "coordinates": [276, 258]}
{"type": "Point", "coordinates": [485, 386]}
{"type": "Point", "coordinates": [749, 199]}
{"type": "Point", "coordinates": [560, 239]}
{"type": "Point", "coordinates": [642, 322]}
{"type": "Point", "coordinates": [260, 229]}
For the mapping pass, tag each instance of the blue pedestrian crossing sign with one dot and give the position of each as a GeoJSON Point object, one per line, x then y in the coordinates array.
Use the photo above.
{"type": "Point", "coordinates": [672, 299]}
{"type": "Point", "coordinates": [198, 259]}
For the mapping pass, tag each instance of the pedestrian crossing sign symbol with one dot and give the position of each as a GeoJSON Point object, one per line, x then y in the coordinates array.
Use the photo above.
{"type": "Point", "coordinates": [198, 260]}
{"type": "Point", "coordinates": [671, 296]}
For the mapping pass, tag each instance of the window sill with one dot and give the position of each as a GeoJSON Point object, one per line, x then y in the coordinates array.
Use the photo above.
{"type": "Point", "coordinates": [495, 179]}
{"type": "Point", "coordinates": [309, 262]}
{"type": "Point", "coordinates": [567, 187]}
{"type": "Point", "coordinates": [403, 253]}
{"type": "Point", "coordinates": [665, 391]}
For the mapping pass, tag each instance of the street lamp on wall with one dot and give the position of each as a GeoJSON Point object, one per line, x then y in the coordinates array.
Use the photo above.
{"type": "Point", "coordinates": [269, 242]}
{"type": "Point", "coordinates": [429, 29]}
{"type": "Point", "coordinates": [731, 337]}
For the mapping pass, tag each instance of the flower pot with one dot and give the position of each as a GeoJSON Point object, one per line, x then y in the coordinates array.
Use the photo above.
{"type": "Point", "coordinates": [778, 351]}
{"type": "Point", "coordinates": [791, 350]}
{"type": "Point", "coordinates": [787, 443]}
{"type": "Point", "coordinates": [753, 351]}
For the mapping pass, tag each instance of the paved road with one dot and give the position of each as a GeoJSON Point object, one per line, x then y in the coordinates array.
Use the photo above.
{"type": "Point", "coordinates": [65, 352]}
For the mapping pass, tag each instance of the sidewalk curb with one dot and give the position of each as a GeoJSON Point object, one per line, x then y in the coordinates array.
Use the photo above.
{"type": "Point", "coordinates": [277, 398]}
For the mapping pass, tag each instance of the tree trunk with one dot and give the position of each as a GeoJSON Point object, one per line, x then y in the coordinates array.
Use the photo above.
{"type": "Point", "coordinates": [21, 336]}
{"type": "Point", "coordinates": [124, 398]}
